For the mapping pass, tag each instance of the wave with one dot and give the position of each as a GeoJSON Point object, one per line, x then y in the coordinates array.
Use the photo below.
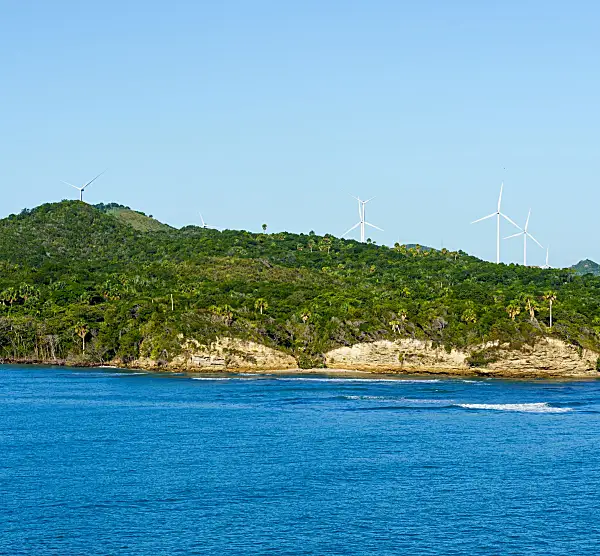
{"type": "Point", "coordinates": [213, 378]}
{"type": "Point", "coordinates": [359, 380]}
{"type": "Point", "coordinates": [518, 407]}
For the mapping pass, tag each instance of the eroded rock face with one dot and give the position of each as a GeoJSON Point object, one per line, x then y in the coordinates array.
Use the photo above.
{"type": "Point", "coordinates": [401, 355]}
{"type": "Point", "coordinates": [232, 354]}
{"type": "Point", "coordinates": [549, 357]}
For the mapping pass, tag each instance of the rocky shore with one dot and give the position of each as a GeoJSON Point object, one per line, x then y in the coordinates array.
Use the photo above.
{"type": "Point", "coordinates": [548, 358]}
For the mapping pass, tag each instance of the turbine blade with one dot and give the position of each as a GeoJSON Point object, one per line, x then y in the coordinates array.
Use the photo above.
{"type": "Point", "coordinates": [67, 183]}
{"type": "Point", "coordinates": [373, 226]}
{"type": "Point", "coordinates": [500, 197]}
{"type": "Point", "coordinates": [527, 221]}
{"type": "Point", "coordinates": [355, 226]}
{"type": "Point", "coordinates": [91, 181]}
{"type": "Point", "coordinates": [535, 240]}
{"type": "Point", "coordinates": [515, 235]}
{"type": "Point", "coordinates": [368, 200]}
{"type": "Point", "coordinates": [485, 217]}
{"type": "Point", "coordinates": [202, 220]}
{"type": "Point", "coordinates": [511, 221]}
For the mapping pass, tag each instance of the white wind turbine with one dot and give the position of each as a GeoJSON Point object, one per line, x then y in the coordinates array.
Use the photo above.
{"type": "Point", "coordinates": [547, 266]}
{"type": "Point", "coordinates": [205, 225]}
{"type": "Point", "coordinates": [498, 214]}
{"type": "Point", "coordinates": [524, 232]}
{"type": "Point", "coordinates": [82, 188]}
{"type": "Point", "coordinates": [362, 222]}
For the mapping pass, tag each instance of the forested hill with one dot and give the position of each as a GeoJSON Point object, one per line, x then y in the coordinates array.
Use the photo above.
{"type": "Point", "coordinates": [72, 272]}
{"type": "Point", "coordinates": [587, 267]}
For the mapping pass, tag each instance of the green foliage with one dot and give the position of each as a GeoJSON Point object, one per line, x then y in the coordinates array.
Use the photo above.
{"type": "Point", "coordinates": [69, 263]}
{"type": "Point", "coordinates": [481, 358]}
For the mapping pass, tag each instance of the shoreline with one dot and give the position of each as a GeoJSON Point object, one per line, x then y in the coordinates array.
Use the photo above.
{"type": "Point", "coordinates": [374, 373]}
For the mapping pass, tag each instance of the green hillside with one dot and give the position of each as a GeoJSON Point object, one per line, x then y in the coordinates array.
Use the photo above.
{"type": "Point", "coordinates": [587, 267]}
{"type": "Point", "coordinates": [133, 218]}
{"type": "Point", "coordinates": [72, 272]}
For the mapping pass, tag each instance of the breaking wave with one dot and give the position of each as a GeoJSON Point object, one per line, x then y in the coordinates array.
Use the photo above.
{"type": "Point", "coordinates": [519, 407]}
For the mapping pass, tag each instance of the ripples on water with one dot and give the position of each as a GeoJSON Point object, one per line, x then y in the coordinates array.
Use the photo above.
{"type": "Point", "coordinates": [109, 462]}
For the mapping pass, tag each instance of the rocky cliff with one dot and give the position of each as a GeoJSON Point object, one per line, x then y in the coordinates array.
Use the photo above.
{"type": "Point", "coordinates": [549, 357]}
{"type": "Point", "coordinates": [225, 354]}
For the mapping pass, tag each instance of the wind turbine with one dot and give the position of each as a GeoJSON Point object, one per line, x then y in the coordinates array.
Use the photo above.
{"type": "Point", "coordinates": [497, 214]}
{"type": "Point", "coordinates": [546, 266]}
{"type": "Point", "coordinates": [82, 189]}
{"type": "Point", "coordinates": [525, 234]}
{"type": "Point", "coordinates": [205, 225]}
{"type": "Point", "coordinates": [362, 221]}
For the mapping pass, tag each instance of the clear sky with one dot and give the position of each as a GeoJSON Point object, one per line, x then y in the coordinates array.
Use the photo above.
{"type": "Point", "coordinates": [273, 111]}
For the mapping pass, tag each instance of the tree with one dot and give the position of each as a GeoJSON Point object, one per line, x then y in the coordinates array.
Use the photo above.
{"type": "Point", "coordinates": [395, 326]}
{"type": "Point", "coordinates": [531, 306]}
{"type": "Point", "coordinates": [513, 309]}
{"type": "Point", "coordinates": [261, 304]}
{"type": "Point", "coordinates": [550, 297]}
{"type": "Point", "coordinates": [81, 330]}
{"type": "Point", "coordinates": [264, 227]}
{"type": "Point", "coordinates": [10, 295]}
{"type": "Point", "coordinates": [469, 316]}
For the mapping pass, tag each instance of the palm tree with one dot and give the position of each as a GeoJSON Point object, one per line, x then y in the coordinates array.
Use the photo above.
{"type": "Point", "coordinates": [550, 297]}
{"type": "Point", "coordinates": [395, 326]}
{"type": "Point", "coordinates": [81, 330]}
{"type": "Point", "coordinates": [531, 306]}
{"type": "Point", "coordinates": [10, 295]}
{"type": "Point", "coordinates": [513, 309]}
{"type": "Point", "coordinates": [261, 304]}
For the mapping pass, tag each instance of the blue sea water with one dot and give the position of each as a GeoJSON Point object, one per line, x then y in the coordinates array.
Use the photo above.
{"type": "Point", "coordinates": [113, 462]}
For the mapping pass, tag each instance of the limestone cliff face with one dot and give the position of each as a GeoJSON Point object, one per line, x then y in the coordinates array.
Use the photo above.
{"type": "Point", "coordinates": [225, 354]}
{"type": "Point", "coordinates": [549, 357]}
{"type": "Point", "coordinates": [401, 355]}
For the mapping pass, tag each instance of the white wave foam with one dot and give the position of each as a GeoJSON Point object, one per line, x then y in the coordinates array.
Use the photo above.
{"type": "Point", "coordinates": [520, 407]}
{"type": "Point", "coordinates": [212, 378]}
{"type": "Point", "coordinates": [359, 380]}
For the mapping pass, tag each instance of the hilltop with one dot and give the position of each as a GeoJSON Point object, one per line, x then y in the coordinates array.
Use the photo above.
{"type": "Point", "coordinates": [587, 267]}
{"type": "Point", "coordinates": [75, 274]}
{"type": "Point", "coordinates": [135, 219]}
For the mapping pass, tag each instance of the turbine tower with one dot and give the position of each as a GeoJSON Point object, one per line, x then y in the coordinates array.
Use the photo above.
{"type": "Point", "coordinates": [362, 221]}
{"type": "Point", "coordinates": [547, 266]}
{"type": "Point", "coordinates": [498, 213]}
{"type": "Point", "coordinates": [82, 188]}
{"type": "Point", "coordinates": [525, 235]}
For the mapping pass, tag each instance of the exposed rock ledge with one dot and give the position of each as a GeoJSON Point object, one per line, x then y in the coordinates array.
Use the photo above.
{"type": "Point", "coordinates": [225, 354]}
{"type": "Point", "coordinates": [548, 358]}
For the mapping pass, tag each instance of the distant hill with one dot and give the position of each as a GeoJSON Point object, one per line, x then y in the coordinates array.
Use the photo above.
{"type": "Point", "coordinates": [587, 267]}
{"type": "Point", "coordinates": [136, 219]}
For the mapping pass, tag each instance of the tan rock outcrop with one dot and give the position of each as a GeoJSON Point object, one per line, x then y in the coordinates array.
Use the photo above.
{"type": "Point", "coordinates": [548, 358]}
{"type": "Point", "coordinates": [401, 355]}
{"type": "Point", "coordinates": [227, 354]}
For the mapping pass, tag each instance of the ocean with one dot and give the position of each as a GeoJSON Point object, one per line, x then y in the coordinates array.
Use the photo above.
{"type": "Point", "coordinates": [103, 461]}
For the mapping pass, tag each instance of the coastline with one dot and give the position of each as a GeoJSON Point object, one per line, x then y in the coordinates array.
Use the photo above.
{"type": "Point", "coordinates": [372, 373]}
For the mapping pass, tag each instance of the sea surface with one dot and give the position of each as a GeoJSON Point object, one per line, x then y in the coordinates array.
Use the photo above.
{"type": "Point", "coordinates": [108, 462]}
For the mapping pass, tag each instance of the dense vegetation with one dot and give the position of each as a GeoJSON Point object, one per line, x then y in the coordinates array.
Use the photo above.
{"type": "Point", "coordinates": [80, 284]}
{"type": "Point", "coordinates": [587, 267]}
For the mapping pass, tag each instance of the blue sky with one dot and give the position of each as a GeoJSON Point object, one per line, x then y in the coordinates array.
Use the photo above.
{"type": "Point", "coordinates": [268, 111]}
